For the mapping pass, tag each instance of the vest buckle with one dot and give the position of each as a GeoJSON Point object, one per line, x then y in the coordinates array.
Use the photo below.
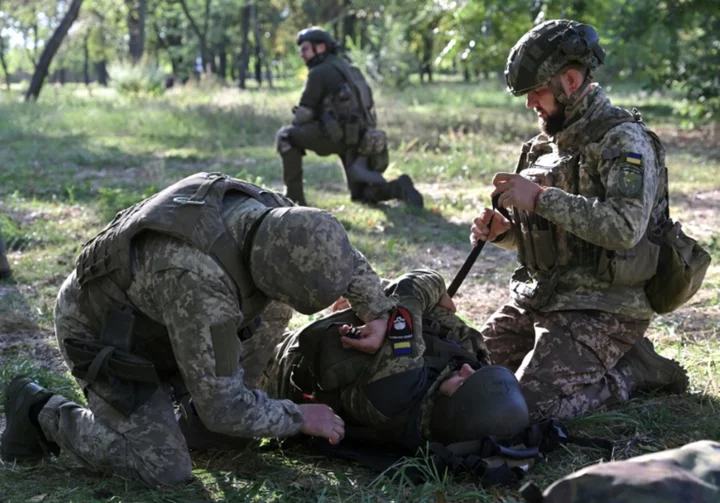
{"type": "Point", "coordinates": [187, 200]}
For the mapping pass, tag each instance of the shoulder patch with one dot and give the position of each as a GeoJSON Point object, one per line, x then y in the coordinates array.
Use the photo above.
{"type": "Point", "coordinates": [634, 159]}
{"type": "Point", "coordinates": [630, 180]}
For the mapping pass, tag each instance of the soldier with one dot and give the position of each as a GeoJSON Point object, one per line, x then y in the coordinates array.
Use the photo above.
{"type": "Point", "coordinates": [4, 265]}
{"type": "Point", "coordinates": [164, 299]}
{"type": "Point", "coordinates": [431, 380]}
{"type": "Point", "coordinates": [584, 198]}
{"type": "Point", "coordinates": [336, 115]}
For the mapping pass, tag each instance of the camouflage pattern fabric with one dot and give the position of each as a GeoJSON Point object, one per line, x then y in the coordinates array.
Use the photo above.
{"type": "Point", "coordinates": [564, 360]}
{"type": "Point", "coordinates": [187, 292]}
{"type": "Point", "coordinates": [601, 212]}
{"type": "Point", "coordinates": [690, 474]}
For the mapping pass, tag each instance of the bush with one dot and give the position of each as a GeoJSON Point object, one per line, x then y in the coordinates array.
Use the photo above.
{"type": "Point", "coordinates": [140, 78]}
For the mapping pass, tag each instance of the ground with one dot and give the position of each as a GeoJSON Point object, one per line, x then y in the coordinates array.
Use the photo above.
{"type": "Point", "coordinates": [76, 157]}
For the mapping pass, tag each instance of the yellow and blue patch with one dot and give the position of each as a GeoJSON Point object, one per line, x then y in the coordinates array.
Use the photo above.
{"type": "Point", "coordinates": [402, 348]}
{"type": "Point", "coordinates": [633, 158]}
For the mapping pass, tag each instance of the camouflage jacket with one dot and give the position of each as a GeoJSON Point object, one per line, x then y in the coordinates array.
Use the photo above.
{"type": "Point", "coordinates": [600, 209]}
{"type": "Point", "coordinates": [188, 293]}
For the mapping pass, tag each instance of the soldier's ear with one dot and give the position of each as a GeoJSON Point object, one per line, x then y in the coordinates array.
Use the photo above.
{"type": "Point", "coordinates": [320, 48]}
{"type": "Point", "coordinates": [571, 80]}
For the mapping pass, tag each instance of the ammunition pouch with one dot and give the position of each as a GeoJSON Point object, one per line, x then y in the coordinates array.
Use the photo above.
{"type": "Point", "coordinates": [331, 126]}
{"type": "Point", "coordinates": [681, 268]}
{"type": "Point", "coordinates": [373, 142]}
{"type": "Point", "coordinates": [629, 267]}
{"type": "Point", "coordinates": [120, 378]}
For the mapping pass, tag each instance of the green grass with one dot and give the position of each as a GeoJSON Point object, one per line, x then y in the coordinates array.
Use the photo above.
{"type": "Point", "coordinates": [74, 159]}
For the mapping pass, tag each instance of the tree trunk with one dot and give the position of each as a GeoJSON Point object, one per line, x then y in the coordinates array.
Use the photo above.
{"type": "Point", "coordinates": [261, 48]}
{"type": "Point", "coordinates": [222, 59]}
{"type": "Point", "coordinates": [348, 23]}
{"type": "Point", "coordinates": [427, 38]}
{"type": "Point", "coordinates": [51, 49]}
{"type": "Point", "coordinates": [3, 62]}
{"type": "Point", "coordinates": [101, 70]}
{"type": "Point", "coordinates": [136, 28]}
{"type": "Point", "coordinates": [244, 47]}
{"type": "Point", "coordinates": [211, 61]}
{"type": "Point", "coordinates": [258, 66]}
{"type": "Point", "coordinates": [86, 59]}
{"type": "Point", "coordinates": [201, 34]}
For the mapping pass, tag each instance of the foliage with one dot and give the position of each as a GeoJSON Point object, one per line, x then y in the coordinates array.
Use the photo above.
{"type": "Point", "coordinates": [136, 79]}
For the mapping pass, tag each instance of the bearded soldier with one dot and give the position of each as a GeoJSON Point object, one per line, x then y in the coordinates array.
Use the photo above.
{"type": "Point", "coordinates": [431, 380]}
{"type": "Point", "coordinates": [584, 199]}
{"type": "Point", "coordinates": [336, 115]}
{"type": "Point", "coordinates": [188, 291]}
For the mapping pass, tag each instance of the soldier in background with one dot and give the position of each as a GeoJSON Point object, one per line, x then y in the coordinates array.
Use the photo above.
{"type": "Point", "coordinates": [336, 115]}
{"type": "Point", "coordinates": [582, 199]}
{"type": "Point", "coordinates": [160, 304]}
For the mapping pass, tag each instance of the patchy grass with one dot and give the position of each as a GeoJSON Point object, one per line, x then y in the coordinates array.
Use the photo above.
{"type": "Point", "coordinates": [74, 159]}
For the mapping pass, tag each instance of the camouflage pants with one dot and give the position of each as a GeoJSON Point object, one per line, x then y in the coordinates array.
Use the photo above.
{"type": "Point", "coordinates": [565, 360]}
{"type": "Point", "coordinates": [149, 444]}
{"type": "Point", "coordinates": [311, 137]}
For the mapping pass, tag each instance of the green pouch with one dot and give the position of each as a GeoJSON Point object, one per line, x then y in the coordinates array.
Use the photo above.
{"type": "Point", "coordinates": [682, 265]}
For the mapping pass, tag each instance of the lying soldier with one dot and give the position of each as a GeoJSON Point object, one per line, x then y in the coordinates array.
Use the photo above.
{"type": "Point", "coordinates": [431, 380]}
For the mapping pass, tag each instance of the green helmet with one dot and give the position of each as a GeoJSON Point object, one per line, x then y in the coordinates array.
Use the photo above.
{"type": "Point", "coordinates": [547, 48]}
{"type": "Point", "coordinates": [316, 35]}
{"type": "Point", "coordinates": [303, 257]}
{"type": "Point", "coordinates": [489, 403]}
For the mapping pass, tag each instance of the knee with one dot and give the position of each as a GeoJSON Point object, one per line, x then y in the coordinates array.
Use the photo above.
{"type": "Point", "coordinates": [165, 468]}
{"type": "Point", "coordinates": [282, 140]}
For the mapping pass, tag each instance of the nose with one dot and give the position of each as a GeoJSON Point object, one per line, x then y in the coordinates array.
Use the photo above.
{"type": "Point", "coordinates": [531, 100]}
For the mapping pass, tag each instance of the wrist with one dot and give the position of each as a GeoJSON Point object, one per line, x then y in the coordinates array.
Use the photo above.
{"type": "Point", "coordinates": [536, 200]}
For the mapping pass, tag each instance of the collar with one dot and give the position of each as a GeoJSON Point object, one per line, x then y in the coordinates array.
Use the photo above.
{"type": "Point", "coordinates": [583, 114]}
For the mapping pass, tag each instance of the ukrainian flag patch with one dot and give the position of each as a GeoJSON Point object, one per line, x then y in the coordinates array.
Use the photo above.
{"type": "Point", "coordinates": [633, 158]}
{"type": "Point", "coordinates": [402, 348]}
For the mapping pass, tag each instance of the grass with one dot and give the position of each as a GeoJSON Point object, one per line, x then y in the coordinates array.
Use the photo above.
{"type": "Point", "coordinates": [76, 157]}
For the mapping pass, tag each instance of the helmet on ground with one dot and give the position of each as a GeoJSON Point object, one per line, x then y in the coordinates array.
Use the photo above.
{"type": "Point", "coordinates": [546, 49]}
{"type": "Point", "coordinates": [303, 257]}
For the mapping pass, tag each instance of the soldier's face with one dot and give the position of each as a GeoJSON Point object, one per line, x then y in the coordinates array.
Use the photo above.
{"type": "Point", "coordinates": [307, 52]}
{"type": "Point", "coordinates": [450, 385]}
{"type": "Point", "coordinates": [550, 112]}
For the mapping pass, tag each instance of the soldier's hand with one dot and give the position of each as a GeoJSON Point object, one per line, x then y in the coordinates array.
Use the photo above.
{"type": "Point", "coordinates": [516, 190]}
{"type": "Point", "coordinates": [372, 336]}
{"type": "Point", "coordinates": [447, 302]}
{"type": "Point", "coordinates": [480, 230]}
{"type": "Point", "coordinates": [339, 305]}
{"type": "Point", "coordinates": [319, 420]}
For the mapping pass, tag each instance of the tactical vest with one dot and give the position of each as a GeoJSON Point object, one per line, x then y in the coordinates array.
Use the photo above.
{"type": "Point", "coordinates": [191, 211]}
{"type": "Point", "coordinates": [547, 248]}
{"type": "Point", "coordinates": [325, 368]}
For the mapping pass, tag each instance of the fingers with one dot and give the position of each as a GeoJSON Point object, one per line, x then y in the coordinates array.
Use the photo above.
{"type": "Point", "coordinates": [448, 303]}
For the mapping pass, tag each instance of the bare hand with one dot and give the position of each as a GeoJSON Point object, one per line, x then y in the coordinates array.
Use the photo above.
{"type": "Point", "coordinates": [319, 420]}
{"type": "Point", "coordinates": [447, 303]}
{"type": "Point", "coordinates": [339, 305]}
{"type": "Point", "coordinates": [480, 231]}
{"type": "Point", "coordinates": [372, 336]}
{"type": "Point", "coordinates": [516, 190]}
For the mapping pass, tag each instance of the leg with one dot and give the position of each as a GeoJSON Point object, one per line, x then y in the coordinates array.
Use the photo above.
{"type": "Point", "coordinates": [4, 265]}
{"type": "Point", "coordinates": [148, 445]}
{"type": "Point", "coordinates": [509, 335]}
{"type": "Point", "coordinates": [291, 143]}
{"type": "Point", "coordinates": [571, 368]}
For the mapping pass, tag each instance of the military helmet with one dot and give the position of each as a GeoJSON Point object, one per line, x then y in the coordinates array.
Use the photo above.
{"type": "Point", "coordinates": [316, 35]}
{"type": "Point", "coordinates": [548, 47]}
{"type": "Point", "coordinates": [489, 403]}
{"type": "Point", "coordinates": [303, 257]}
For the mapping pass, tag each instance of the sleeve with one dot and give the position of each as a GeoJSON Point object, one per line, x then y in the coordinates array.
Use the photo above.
{"type": "Point", "coordinates": [365, 293]}
{"type": "Point", "coordinates": [313, 92]}
{"type": "Point", "coordinates": [202, 315]}
{"type": "Point", "coordinates": [628, 171]}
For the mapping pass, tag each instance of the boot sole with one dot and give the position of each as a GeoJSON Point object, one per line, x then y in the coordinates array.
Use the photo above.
{"type": "Point", "coordinates": [679, 380]}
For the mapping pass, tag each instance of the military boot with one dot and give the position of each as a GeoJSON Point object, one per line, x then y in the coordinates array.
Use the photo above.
{"type": "Point", "coordinates": [650, 371]}
{"type": "Point", "coordinates": [23, 440]}
{"type": "Point", "coordinates": [406, 191]}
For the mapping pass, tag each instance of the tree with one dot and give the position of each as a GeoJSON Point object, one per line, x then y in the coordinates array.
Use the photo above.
{"type": "Point", "coordinates": [51, 48]}
{"type": "Point", "coordinates": [136, 11]}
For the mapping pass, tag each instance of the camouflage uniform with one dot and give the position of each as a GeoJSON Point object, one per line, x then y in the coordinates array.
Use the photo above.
{"type": "Point", "coordinates": [363, 388]}
{"type": "Point", "coordinates": [197, 304]}
{"type": "Point", "coordinates": [578, 300]}
{"type": "Point", "coordinates": [320, 127]}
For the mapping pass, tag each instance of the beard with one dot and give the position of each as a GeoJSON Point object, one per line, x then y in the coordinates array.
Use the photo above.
{"type": "Point", "coordinates": [553, 123]}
